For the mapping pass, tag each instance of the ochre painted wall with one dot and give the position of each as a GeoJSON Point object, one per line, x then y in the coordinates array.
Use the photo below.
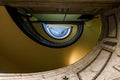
{"type": "Point", "coordinates": [18, 53]}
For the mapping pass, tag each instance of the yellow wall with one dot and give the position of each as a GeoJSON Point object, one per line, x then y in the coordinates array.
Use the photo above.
{"type": "Point", "coordinates": [18, 53]}
{"type": "Point", "coordinates": [41, 31]}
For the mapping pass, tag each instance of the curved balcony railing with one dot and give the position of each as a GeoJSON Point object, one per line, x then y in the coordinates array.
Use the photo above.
{"type": "Point", "coordinates": [56, 32]}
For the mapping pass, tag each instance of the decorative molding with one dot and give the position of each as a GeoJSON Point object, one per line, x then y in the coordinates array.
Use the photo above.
{"type": "Point", "coordinates": [114, 34]}
{"type": "Point", "coordinates": [117, 67]}
{"type": "Point", "coordinates": [96, 74]}
{"type": "Point", "coordinates": [110, 43]}
{"type": "Point", "coordinates": [88, 65]}
{"type": "Point", "coordinates": [103, 66]}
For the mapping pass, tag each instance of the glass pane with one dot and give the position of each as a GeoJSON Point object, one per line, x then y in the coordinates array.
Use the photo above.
{"type": "Point", "coordinates": [57, 31]}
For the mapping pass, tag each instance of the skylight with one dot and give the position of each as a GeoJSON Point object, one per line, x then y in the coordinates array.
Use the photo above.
{"type": "Point", "coordinates": [57, 31]}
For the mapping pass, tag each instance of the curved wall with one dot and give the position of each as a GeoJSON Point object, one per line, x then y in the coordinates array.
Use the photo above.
{"type": "Point", "coordinates": [22, 54]}
{"type": "Point", "coordinates": [102, 63]}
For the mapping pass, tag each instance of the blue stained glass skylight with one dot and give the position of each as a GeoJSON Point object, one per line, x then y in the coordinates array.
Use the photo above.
{"type": "Point", "coordinates": [57, 31]}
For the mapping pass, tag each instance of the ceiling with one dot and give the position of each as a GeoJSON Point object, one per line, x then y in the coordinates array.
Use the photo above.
{"type": "Point", "coordinates": [63, 6]}
{"type": "Point", "coordinates": [55, 17]}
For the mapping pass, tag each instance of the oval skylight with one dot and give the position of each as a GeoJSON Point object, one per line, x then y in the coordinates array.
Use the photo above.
{"type": "Point", "coordinates": [57, 31]}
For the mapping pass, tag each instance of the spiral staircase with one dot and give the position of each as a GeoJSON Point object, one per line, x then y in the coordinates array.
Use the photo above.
{"type": "Point", "coordinates": [60, 40]}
